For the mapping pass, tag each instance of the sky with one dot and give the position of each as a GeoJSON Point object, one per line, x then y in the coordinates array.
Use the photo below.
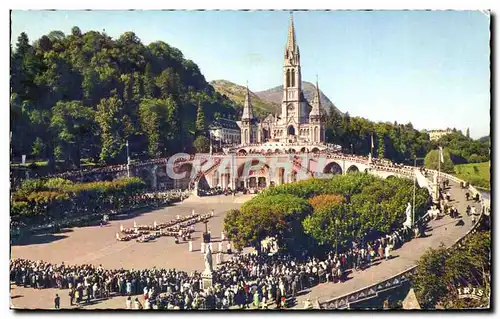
{"type": "Point", "coordinates": [430, 68]}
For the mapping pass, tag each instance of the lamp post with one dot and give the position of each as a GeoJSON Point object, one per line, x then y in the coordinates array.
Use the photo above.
{"type": "Point", "coordinates": [336, 236]}
{"type": "Point", "coordinates": [211, 136]}
{"type": "Point", "coordinates": [128, 161]}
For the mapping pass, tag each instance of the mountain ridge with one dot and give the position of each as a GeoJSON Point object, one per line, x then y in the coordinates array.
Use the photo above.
{"type": "Point", "coordinates": [267, 101]}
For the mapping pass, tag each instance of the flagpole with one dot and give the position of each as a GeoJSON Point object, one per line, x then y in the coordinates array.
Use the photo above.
{"type": "Point", "coordinates": [439, 167]}
{"type": "Point", "coordinates": [414, 189]}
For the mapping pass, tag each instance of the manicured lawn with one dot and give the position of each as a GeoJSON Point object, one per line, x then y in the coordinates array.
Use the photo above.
{"type": "Point", "coordinates": [478, 174]}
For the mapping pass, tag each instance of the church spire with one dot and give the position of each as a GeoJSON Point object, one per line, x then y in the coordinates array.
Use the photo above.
{"type": "Point", "coordinates": [316, 102]}
{"type": "Point", "coordinates": [247, 107]}
{"type": "Point", "coordinates": [291, 44]}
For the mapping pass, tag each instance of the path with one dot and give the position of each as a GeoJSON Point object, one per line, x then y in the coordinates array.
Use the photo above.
{"type": "Point", "coordinates": [442, 231]}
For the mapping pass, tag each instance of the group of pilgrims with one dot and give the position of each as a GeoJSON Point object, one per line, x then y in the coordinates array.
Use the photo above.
{"type": "Point", "coordinates": [259, 279]}
{"type": "Point", "coordinates": [179, 228]}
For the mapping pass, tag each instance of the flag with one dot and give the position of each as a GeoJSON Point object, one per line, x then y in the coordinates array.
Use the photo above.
{"type": "Point", "coordinates": [441, 157]}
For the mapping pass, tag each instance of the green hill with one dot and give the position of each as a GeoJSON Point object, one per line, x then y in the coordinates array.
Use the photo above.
{"type": "Point", "coordinates": [237, 92]}
{"type": "Point", "coordinates": [478, 174]}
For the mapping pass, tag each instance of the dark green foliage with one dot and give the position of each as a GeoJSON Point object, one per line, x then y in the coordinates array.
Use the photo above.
{"type": "Point", "coordinates": [263, 216]}
{"type": "Point", "coordinates": [461, 148]}
{"type": "Point", "coordinates": [366, 207]}
{"type": "Point", "coordinates": [432, 159]}
{"type": "Point", "coordinates": [200, 118]}
{"type": "Point", "coordinates": [202, 144]}
{"type": "Point", "coordinates": [44, 200]}
{"type": "Point", "coordinates": [441, 271]}
{"type": "Point", "coordinates": [79, 95]}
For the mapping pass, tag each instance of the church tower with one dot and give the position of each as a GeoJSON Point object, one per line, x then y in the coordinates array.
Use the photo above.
{"type": "Point", "coordinates": [247, 121]}
{"type": "Point", "coordinates": [292, 108]}
{"type": "Point", "coordinates": [315, 118]}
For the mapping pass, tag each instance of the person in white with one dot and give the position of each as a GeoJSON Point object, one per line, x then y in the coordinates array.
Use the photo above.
{"type": "Point", "coordinates": [222, 236]}
{"type": "Point", "coordinates": [192, 212]}
{"type": "Point", "coordinates": [190, 246]}
{"type": "Point", "coordinates": [220, 246]}
{"type": "Point", "coordinates": [121, 227]}
{"type": "Point", "coordinates": [147, 304]}
{"type": "Point", "coordinates": [387, 252]}
{"type": "Point", "coordinates": [307, 304]}
{"type": "Point", "coordinates": [137, 304]}
{"type": "Point", "coordinates": [212, 214]}
{"type": "Point", "coordinates": [154, 224]}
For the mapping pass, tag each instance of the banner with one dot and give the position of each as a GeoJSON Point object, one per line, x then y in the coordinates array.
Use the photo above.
{"type": "Point", "coordinates": [421, 180]}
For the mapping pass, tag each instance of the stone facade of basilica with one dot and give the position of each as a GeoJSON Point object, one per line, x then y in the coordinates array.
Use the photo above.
{"type": "Point", "coordinates": [299, 122]}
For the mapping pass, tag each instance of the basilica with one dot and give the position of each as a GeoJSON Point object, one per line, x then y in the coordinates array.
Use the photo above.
{"type": "Point", "coordinates": [299, 122]}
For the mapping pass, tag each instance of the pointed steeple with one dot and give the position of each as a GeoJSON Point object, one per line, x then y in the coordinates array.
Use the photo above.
{"type": "Point", "coordinates": [316, 102]}
{"type": "Point", "coordinates": [291, 44]}
{"type": "Point", "coordinates": [247, 107]}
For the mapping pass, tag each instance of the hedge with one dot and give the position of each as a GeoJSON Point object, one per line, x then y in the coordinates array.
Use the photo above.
{"type": "Point", "coordinates": [41, 200]}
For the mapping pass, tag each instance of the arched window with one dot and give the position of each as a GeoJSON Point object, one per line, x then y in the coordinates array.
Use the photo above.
{"type": "Point", "coordinates": [316, 134]}
{"type": "Point", "coordinates": [293, 78]}
{"type": "Point", "coordinates": [287, 78]}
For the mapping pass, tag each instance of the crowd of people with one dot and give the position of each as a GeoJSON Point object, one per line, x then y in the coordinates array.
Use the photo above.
{"type": "Point", "coordinates": [259, 278]}
{"type": "Point", "coordinates": [85, 217]}
{"type": "Point", "coordinates": [181, 227]}
{"type": "Point", "coordinates": [213, 191]}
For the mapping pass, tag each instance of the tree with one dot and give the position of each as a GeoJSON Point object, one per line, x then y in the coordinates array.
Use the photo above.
{"type": "Point", "coordinates": [200, 118]}
{"type": "Point", "coordinates": [432, 159]}
{"type": "Point", "coordinates": [153, 116]}
{"type": "Point", "coordinates": [429, 280]}
{"type": "Point", "coordinates": [109, 117]}
{"type": "Point", "coordinates": [71, 122]}
{"type": "Point", "coordinates": [440, 272]}
{"type": "Point", "coordinates": [75, 31]}
{"type": "Point", "coordinates": [277, 216]}
{"type": "Point", "coordinates": [100, 72]}
{"type": "Point", "coordinates": [328, 223]}
{"type": "Point", "coordinates": [201, 144]}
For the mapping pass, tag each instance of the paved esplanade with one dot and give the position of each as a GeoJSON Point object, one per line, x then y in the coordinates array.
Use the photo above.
{"type": "Point", "coordinates": [176, 256]}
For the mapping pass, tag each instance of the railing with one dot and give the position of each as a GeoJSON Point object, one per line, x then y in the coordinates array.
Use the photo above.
{"type": "Point", "coordinates": [397, 280]}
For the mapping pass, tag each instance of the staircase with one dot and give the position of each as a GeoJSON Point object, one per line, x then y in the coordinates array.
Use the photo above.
{"type": "Point", "coordinates": [298, 165]}
{"type": "Point", "coordinates": [200, 174]}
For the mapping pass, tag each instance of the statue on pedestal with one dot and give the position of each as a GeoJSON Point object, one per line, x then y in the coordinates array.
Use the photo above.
{"type": "Point", "coordinates": [206, 276]}
{"type": "Point", "coordinates": [408, 221]}
{"type": "Point", "coordinates": [208, 260]}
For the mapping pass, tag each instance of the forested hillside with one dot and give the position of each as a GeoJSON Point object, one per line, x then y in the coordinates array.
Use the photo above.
{"type": "Point", "coordinates": [84, 95]}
